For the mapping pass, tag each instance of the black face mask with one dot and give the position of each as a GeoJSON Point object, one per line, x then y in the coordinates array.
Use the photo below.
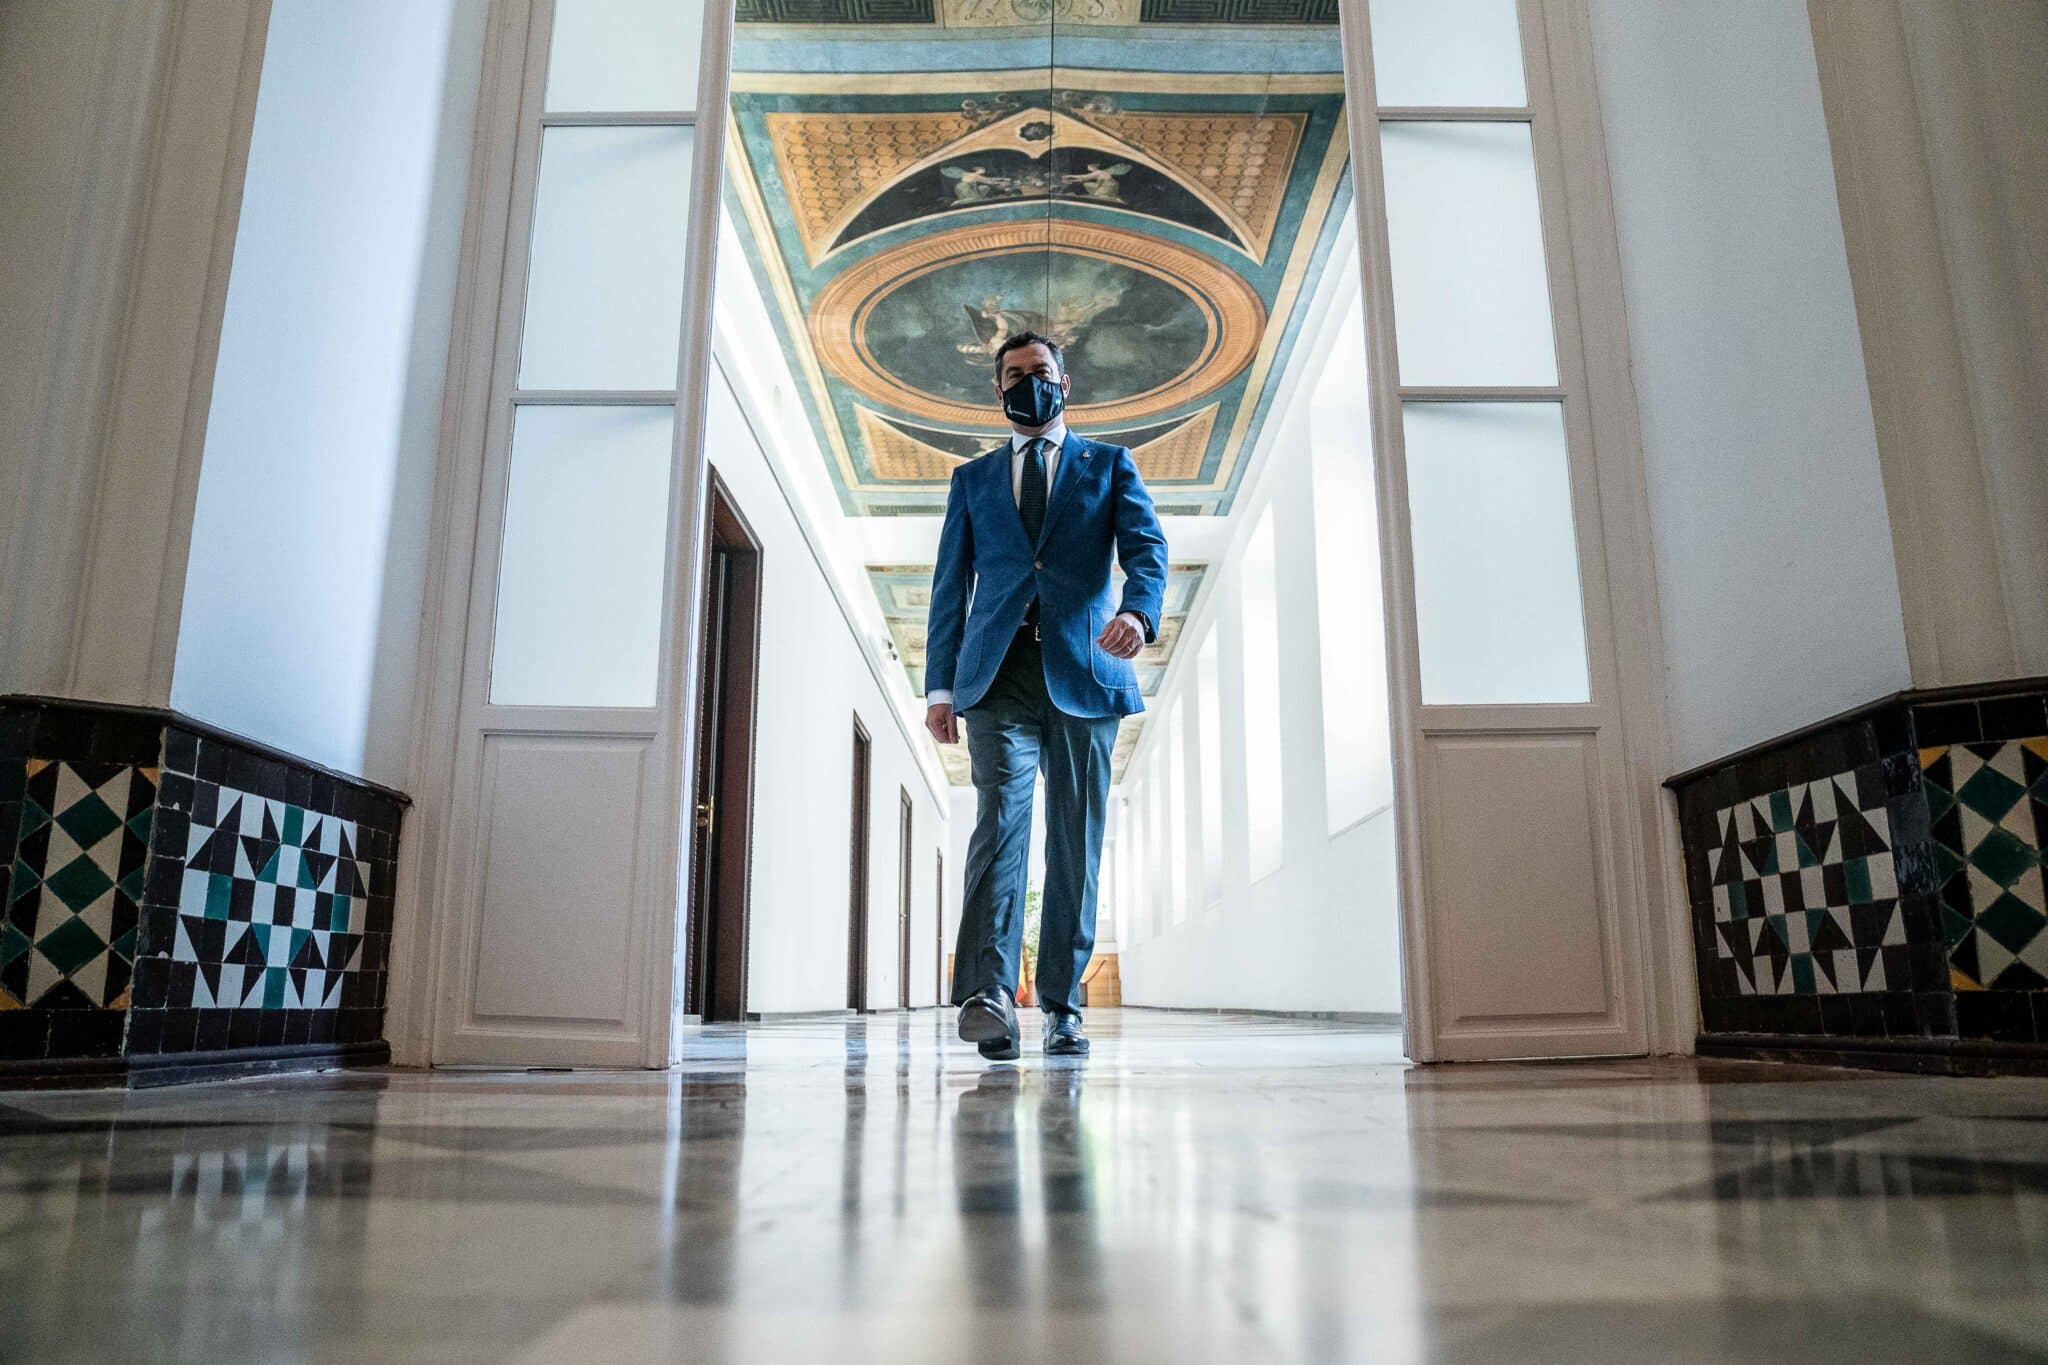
{"type": "Point", "coordinates": [1033, 401]}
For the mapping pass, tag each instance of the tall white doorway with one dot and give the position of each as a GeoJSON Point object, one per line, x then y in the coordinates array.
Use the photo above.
{"type": "Point", "coordinates": [1441, 164]}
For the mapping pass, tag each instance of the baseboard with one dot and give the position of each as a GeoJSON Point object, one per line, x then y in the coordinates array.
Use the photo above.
{"type": "Point", "coordinates": [149, 1071]}
{"type": "Point", "coordinates": [1377, 1019]}
{"type": "Point", "coordinates": [1922, 1056]}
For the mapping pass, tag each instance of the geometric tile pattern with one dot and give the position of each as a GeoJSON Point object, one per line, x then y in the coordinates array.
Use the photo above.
{"type": "Point", "coordinates": [74, 892]}
{"type": "Point", "coordinates": [170, 889]}
{"type": "Point", "coordinates": [1805, 892]}
{"type": "Point", "coordinates": [1988, 808]}
{"type": "Point", "coordinates": [274, 905]}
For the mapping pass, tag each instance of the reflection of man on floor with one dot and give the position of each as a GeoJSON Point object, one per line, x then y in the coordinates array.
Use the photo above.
{"type": "Point", "coordinates": [988, 1184]}
{"type": "Point", "coordinates": [1021, 640]}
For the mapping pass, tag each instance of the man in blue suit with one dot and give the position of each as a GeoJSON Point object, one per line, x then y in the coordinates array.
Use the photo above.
{"type": "Point", "coordinates": [1022, 641]}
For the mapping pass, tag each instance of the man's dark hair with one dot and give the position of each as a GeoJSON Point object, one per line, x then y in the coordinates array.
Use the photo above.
{"type": "Point", "coordinates": [1059, 357]}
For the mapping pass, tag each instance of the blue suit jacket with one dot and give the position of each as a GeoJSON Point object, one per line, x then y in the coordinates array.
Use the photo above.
{"type": "Point", "coordinates": [989, 570]}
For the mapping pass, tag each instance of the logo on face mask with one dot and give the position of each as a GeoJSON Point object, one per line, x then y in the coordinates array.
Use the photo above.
{"type": "Point", "coordinates": [1033, 401]}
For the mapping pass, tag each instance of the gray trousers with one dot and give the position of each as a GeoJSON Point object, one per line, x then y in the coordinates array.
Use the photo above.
{"type": "Point", "coordinates": [1014, 733]}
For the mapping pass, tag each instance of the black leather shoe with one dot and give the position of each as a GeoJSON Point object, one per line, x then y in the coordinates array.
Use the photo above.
{"type": "Point", "coordinates": [1063, 1036]}
{"type": "Point", "coordinates": [989, 1020]}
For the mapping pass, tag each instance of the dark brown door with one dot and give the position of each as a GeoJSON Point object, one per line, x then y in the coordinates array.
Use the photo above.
{"type": "Point", "coordinates": [857, 918]}
{"type": "Point", "coordinates": [939, 930]}
{"type": "Point", "coordinates": [722, 831]}
{"type": "Point", "coordinates": [903, 901]}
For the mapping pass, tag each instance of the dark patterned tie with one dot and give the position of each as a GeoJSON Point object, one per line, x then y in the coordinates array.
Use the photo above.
{"type": "Point", "coordinates": [1031, 504]}
{"type": "Point", "coordinates": [1031, 492]}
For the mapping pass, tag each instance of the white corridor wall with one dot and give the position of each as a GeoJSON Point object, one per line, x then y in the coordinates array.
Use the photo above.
{"type": "Point", "coordinates": [1320, 932]}
{"type": "Point", "coordinates": [815, 676]}
{"type": "Point", "coordinates": [1775, 572]}
{"type": "Point", "coordinates": [304, 590]}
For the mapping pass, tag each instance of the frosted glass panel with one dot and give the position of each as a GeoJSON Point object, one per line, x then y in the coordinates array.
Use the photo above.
{"type": "Point", "coordinates": [1447, 52]}
{"type": "Point", "coordinates": [1471, 302]}
{"type": "Point", "coordinates": [624, 54]}
{"type": "Point", "coordinates": [580, 585]}
{"type": "Point", "coordinates": [604, 290]}
{"type": "Point", "coordinates": [1259, 588]}
{"type": "Point", "coordinates": [1496, 560]}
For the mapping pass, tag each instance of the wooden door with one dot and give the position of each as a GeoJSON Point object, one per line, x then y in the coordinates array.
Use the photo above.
{"type": "Point", "coordinates": [857, 915]}
{"type": "Point", "coordinates": [722, 827]}
{"type": "Point", "coordinates": [903, 832]}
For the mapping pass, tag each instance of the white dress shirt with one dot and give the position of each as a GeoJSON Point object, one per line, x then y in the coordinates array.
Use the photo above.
{"type": "Point", "coordinates": [1057, 434]}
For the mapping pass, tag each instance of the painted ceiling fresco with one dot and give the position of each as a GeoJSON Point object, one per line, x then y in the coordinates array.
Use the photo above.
{"type": "Point", "coordinates": [918, 202]}
{"type": "Point", "coordinates": [1156, 183]}
{"type": "Point", "coordinates": [905, 592]}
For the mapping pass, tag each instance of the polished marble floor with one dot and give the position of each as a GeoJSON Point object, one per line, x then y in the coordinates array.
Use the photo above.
{"type": "Point", "coordinates": [1203, 1188]}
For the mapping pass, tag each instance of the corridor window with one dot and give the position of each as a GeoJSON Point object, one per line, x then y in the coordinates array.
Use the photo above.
{"type": "Point", "coordinates": [1156, 779]}
{"type": "Point", "coordinates": [1209, 752]}
{"type": "Point", "coordinates": [1258, 595]}
{"type": "Point", "coordinates": [1177, 811]}
{"type": "Point", "coordinates": [1137, 834]}
{"type": "Point", "coordinates": [1358, 772]}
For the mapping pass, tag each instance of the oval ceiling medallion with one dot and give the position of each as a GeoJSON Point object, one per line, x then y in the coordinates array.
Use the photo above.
{"type": "Point", "coordinates": [1149, 326]}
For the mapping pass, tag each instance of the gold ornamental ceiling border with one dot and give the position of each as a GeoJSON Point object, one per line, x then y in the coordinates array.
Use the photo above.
{"type": "Point", "coordinates": [1336, 160]}
{"type": "Point", "coordinates": [739, 169]}
{"type": "Point", "coordinates": [1036, 78]}
{"type": "Point", "coordinates": [1232, 308]}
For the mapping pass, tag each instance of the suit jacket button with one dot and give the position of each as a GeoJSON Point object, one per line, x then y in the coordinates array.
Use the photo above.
{"type": "Point", "coordinates": [1037, 564]}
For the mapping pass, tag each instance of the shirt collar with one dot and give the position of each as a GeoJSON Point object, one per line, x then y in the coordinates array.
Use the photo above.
{"type": "Point", "coordinates": [1056, 433]}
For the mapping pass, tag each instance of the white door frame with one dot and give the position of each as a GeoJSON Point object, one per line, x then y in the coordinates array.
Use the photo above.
{"type": "Point", "coordinates": [440, 881]}
{"type": "Point", "coordinates": [1652, 1007]}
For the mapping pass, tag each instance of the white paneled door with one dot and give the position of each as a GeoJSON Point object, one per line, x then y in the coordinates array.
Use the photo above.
{"type": "Point", "coordinates": [559, 886]}
{"type": "Point", "coordinates": [1520, 918]}
{"type": "Point", "coordinates": [1525, 864]}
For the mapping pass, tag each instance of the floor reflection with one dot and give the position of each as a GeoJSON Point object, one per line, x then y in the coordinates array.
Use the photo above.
{"type": "Point", "coordinates": [869, 1188]}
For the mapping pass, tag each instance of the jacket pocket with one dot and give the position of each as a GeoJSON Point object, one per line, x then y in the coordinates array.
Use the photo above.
{"type": "Point", "coordinates": [1107, 669]}
{"type": "Point", "coordinates": [973, 644]}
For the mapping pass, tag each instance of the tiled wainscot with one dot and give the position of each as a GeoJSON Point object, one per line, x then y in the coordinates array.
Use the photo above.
{"type": "Point", "coordinates": [177, 897]}
{"type": "Point", "coordinates": [1876, 883]}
